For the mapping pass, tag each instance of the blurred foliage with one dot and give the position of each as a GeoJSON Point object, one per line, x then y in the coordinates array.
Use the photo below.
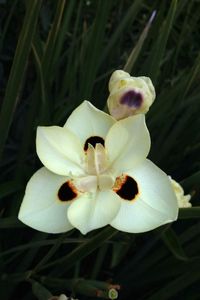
{"type": "Point", "coordinates": [55, 54]}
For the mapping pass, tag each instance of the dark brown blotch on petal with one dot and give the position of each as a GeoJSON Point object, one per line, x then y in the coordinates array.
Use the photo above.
{"type": "Point", "coordinates": [93, 140]}
{"type": "Point", "coordinates": [67, 192]}
{"type": "Point", "coordinates": [126, 187]}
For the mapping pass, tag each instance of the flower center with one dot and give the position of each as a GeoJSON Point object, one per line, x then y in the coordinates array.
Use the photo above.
{"type": "Point", "coordinates": [96, 167]}
{"type": "Point", "coordinates": [96, 160]}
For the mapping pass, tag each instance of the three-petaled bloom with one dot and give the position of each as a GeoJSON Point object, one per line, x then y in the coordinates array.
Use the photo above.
{"type": "Point", "coordinates": [96, 173]}
{"type": "Point", "coordinates": [129, 95]}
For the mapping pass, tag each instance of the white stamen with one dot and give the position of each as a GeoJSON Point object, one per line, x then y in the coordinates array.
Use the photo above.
{"type": "Point", "coordinates": [100, 158]}
{"type": "Point", "coordinates": [96, 167]}
{"type": "Point", "coordinates": [96, 161]}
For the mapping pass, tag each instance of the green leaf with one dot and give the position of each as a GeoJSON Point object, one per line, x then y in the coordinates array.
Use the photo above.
{"type": "Point", "coordinates": [6, 25]}
{"type": "Point", "coordinates": [189, 213]}
{"type": "Point", "coordinates": [50, 253]}
{"type": "Point", "coordinates": [192, 75]}
{"type": "Point", "coordinates": [120, 250]}
{"type": "Point", "coordinates": [39, 244]}
{"type": "Point", "coordinates": [99, 261]}
{"type": "Point", "coordinates": [82, 286]}
{"type": "Point", "coordinates": [178, 284]}
{"type": "Point", "coordinates": [95, 40]}
{"type": "Point", "coordinates": [10, 222]}
{"type": "Point", "coordinates": [62, 29]}
{"type": "Point", "coordinates": [41, 81]}
{"type": "Point", "coordinates": [190, 182]}
{"type": "Point", "coordinates": [18, 68]}
{"type": "Point", "coordinates": [136, 50]}
{"type": "Point", "coordinates": [52, 38]}
{"type": "Point", "coordinates": [40, 292]}
{"type": "Point", "coordinates": [8, 188]}
{"type": "Point", "coordinates": [172, 242]}
{"type": "Point", "coordinates": [69, 74]}
{"type": "Point", "coordinates": [128, 19]}
{"type": "Point", "coordinates": [159, 47]}
{"type": "Point", "coordinates": [83, 250]}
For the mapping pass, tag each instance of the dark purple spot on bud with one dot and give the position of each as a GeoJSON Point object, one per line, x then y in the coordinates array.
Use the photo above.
{"type": "Point", "coordinates": [128, 188]}
{"type": "Point", "coordinates": [132, 99]}
{"type": "Point", "coordinates": [93, 140]}
{"type": "Point", "coordinates": [67, 192]}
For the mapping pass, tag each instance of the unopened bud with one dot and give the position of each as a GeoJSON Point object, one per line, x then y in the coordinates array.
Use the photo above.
{"type": "Point", "coordinates": [183, 200]}
{"type": "Point", "coordinates": [113, 294]}
{"type": "Point", "coordinates": [129, 95]}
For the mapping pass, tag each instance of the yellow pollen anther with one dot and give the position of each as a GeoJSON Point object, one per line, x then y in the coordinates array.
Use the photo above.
{"type": "Point", "coordinates": [119, 182]}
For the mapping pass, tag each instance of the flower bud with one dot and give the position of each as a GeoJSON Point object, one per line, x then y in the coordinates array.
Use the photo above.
{"type": "Point", "coordinates": [183, 200]}
{"type": "Point", "coordinates": [113, 294]}
{"type": "Point", "coordinates": [129, 95]}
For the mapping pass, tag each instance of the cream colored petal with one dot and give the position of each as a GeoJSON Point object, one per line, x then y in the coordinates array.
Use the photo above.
{"type": "Point", "coordinates": [92, 211]}
{"type": "Point", "coordinates": [41, 209]}
{"type": "Point", "coordinates": [136, 217]}
{"type": "Point", "coordinates": [155, 204]}
{"type": "Point", "coordinates": [155, 188]}
{"type": "Point", "coordinates": [127, 143]}
{"type": "Point", "coordinates": [60, 150]}
{"type": "Point", "coordinates": [86, 121]}
{"type": "Point", "coordinates": [116, 77]}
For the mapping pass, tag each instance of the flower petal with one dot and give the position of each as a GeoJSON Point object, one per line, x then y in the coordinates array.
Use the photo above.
{"type": "Point", "coordinates": [127, 143]}
{"type": "Point", "coordinates": [59, 150]}
{"type": "Point", "coordinates": [155, 188]}
{"type": "Point", "coordinates": [155, 205]}
{"type": "Point", "coordinates": [86, 121]}
{"type": "Point", "coordinates": [138, 217]}
{"type": "Point", "coordinates": [41, 209]}
{"type": "Point", "coordinates": [93, 210]}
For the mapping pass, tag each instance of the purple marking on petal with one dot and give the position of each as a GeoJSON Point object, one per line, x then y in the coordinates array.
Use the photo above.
{"type": "Point", "coordinates": [132, 98]}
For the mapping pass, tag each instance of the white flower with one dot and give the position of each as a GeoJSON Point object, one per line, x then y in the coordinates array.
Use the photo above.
{"type": "Point", "coordinates": [96, 173]}
{"type": "Point", "coordinates": [183, 200]}
{"type": "Point", "coordinates": [129, 95]}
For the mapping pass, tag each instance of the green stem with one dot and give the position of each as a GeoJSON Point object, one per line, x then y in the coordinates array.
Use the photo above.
{"type": "Point", "coordinates": [83, 250]}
